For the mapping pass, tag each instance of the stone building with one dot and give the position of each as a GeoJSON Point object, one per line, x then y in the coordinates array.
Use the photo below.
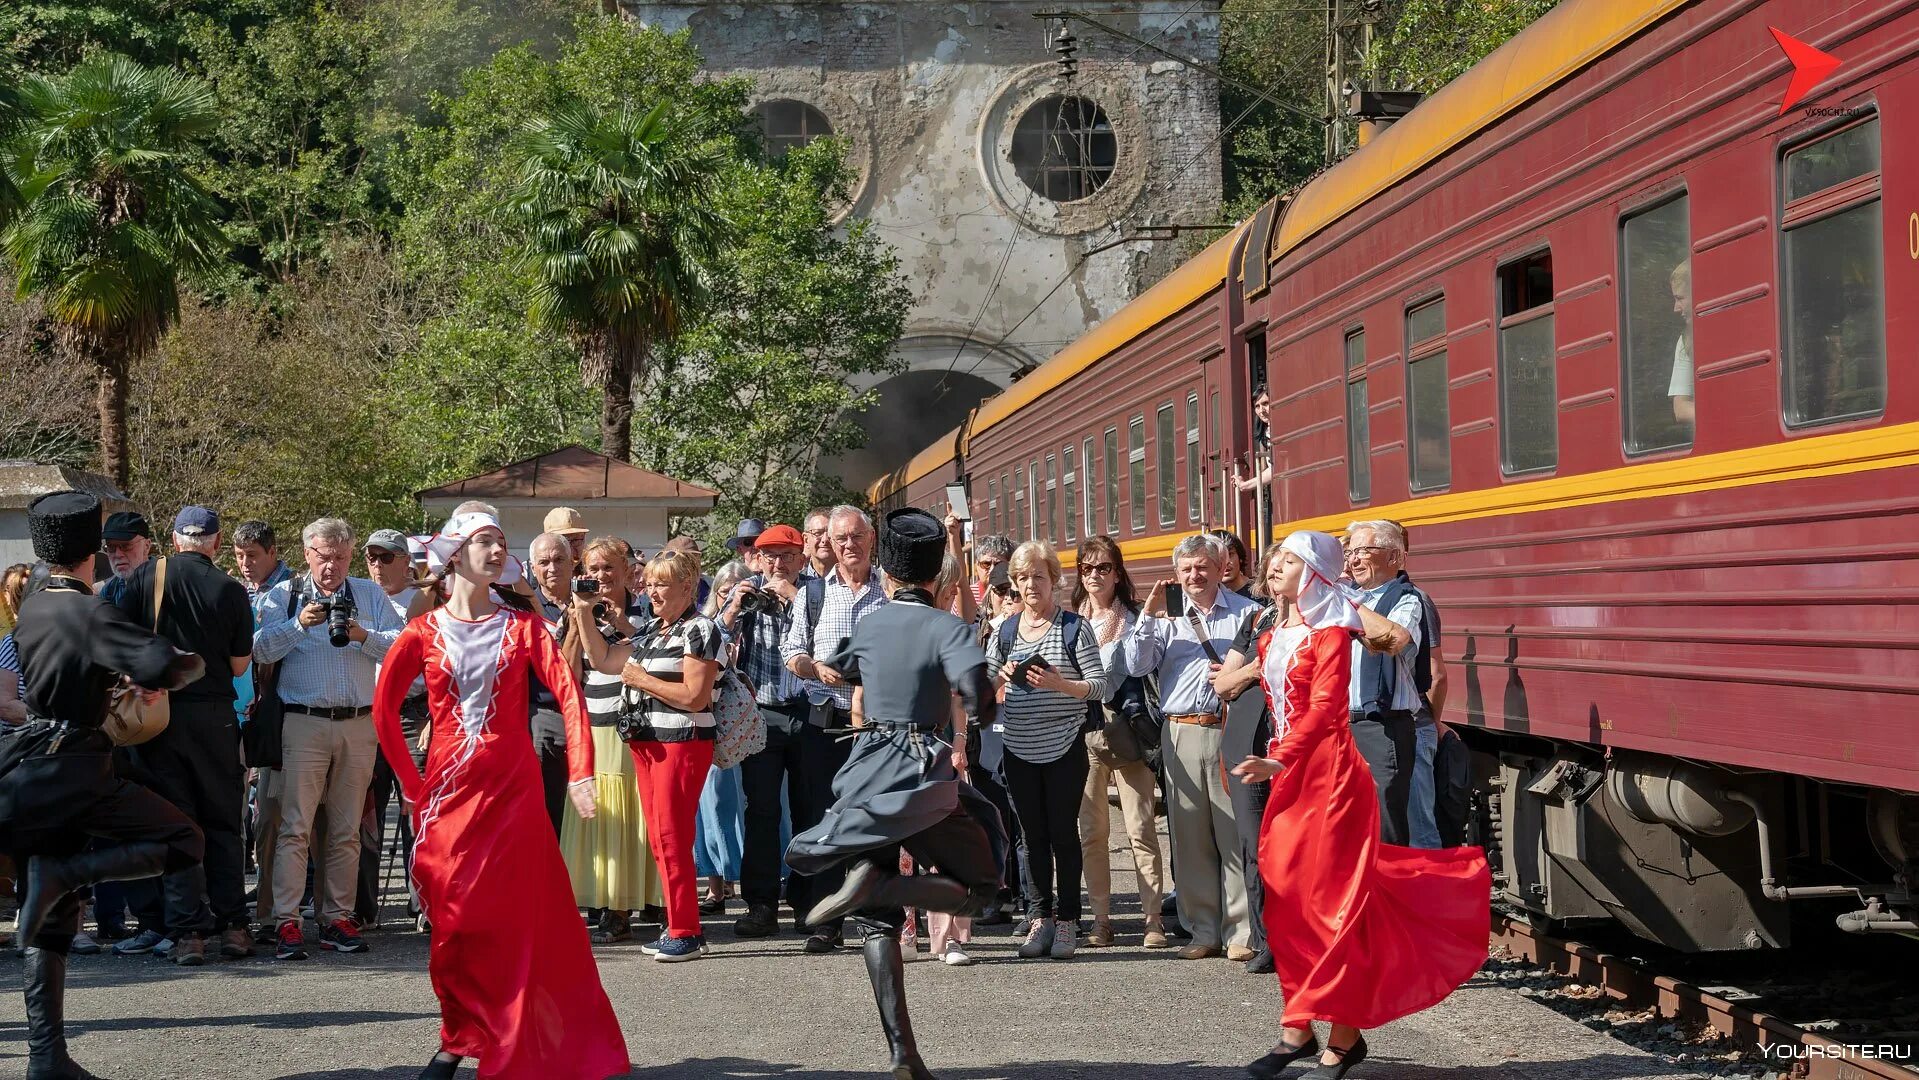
{"type": "Point", "coordinates": [991, 173]}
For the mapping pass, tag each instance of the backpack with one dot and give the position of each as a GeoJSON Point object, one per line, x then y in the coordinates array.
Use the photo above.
{"type": "Point", "coordinates": [739, 729]}
{"type": "Point", "coordinates": [1069, 636]}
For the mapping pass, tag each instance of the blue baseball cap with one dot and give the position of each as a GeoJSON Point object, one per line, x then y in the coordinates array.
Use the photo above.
{"type": "Point", "coordinates": [196, 521]}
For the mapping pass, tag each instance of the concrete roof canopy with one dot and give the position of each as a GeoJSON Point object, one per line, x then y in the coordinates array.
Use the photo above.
{"type": "Point", "coordinates": [21, 482]}
{"type": "Point", "coordinates": [576, 474]}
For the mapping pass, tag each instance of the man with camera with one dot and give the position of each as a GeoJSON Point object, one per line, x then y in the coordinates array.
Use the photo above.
{"type": "Point", "coordinates": [327, 631]}
{"type": "Point", "coordinates": [757, 616]}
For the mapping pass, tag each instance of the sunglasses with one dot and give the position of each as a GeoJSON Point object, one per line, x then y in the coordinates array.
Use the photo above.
{"type": "Point", "coordinates": [380, 558]}
{"type": "Point", "coordinates": [1096, 568]}
{"type": "Point", "coordinates": [1003, 590]}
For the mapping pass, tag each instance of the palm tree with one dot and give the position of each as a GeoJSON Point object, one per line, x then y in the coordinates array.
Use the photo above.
{"type": "Point", "coordinates": [108, 217]}
{"type": "Point", "coordinates": [621, 229]}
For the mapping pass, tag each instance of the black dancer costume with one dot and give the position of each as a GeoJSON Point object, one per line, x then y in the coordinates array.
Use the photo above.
{"type": "Point", "coordinates": [58, 792]}
{"type": "Point", "coordinates": [898, 789]}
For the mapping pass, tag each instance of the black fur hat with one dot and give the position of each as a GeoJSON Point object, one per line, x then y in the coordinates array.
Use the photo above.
{"type": "Point", "coordinates": [912, 546]}
{"type": "Point", "coordinates": [65, 526]}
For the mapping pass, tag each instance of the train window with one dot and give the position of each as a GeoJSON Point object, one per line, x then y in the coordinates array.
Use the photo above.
{"type": "Point", "coordinates": [1032, 502]}
{"type": "Point", "coordinates": [1165, 477]}
{"type": "Point", "coordinates": [992, 504]}
{"type": "Point", "coordinates": [1195, 473]}
{"type": "Point", "coordinates": [1655, 247]}
{"type": "Point", "coordinates": [1136, 467]}
{"type": "Point", "coordinates": [1052, 499]}
{"type": "Point", "coordinates": [1067, 479]}
{"type": "Point", "coordinates": [1021, 505]}
{"type": "Point", "coordinates": [1086, 486]}
{"type": "Point", "coordinates": [1359, 438]}
{"type": "Point", "coordinates": [1835, 294]}
{"type": "Point", "coordinates": [1528, 388]}
{"type": "Point", "coordinates": [1112, 481]}
{"type": "Point", "coordinates": [1219, 442]}
{"type": "Point", "coordinates": [1006, 504]}
{"type": "Point", "coordinates": [1429, 421]}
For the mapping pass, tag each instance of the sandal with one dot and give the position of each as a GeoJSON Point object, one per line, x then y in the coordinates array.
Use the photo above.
{"type": "Point", "coordinates": [613, 928]}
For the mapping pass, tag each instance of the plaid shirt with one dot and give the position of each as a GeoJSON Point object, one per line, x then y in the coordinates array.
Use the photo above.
{"type": "Point", "coordinates": [841, 611]}
{"type": "Point", "coordinates": [760, 653]}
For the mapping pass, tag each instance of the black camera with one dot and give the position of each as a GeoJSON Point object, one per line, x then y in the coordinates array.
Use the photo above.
{"type": "Point", "coordinates": [339, 612]}
{"type": "Point", "coordinates": [761, 602]}
{"type": "Point", "coordinates": [586, 586]}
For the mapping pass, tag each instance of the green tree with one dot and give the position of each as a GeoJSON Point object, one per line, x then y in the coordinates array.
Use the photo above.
{"type": "Point", "coordinates": [764, 385]}
{"type": "Point", "coordinates": [111, 216]}
{"type": "Point", "coordinates": [1433, 42]}
{"type": "Point", "coordinates": [620, 230]}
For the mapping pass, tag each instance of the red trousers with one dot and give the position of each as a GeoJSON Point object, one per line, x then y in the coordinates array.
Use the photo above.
{"type": "Point", "coordinates": [671, 777]}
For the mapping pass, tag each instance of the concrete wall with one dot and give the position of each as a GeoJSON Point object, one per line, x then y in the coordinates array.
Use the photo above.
{"type": "Point", "coordinates": [928, 94]}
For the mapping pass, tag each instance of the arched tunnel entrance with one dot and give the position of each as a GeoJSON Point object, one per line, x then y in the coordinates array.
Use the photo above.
{"type": "Point", "coordinates": [914, 408]}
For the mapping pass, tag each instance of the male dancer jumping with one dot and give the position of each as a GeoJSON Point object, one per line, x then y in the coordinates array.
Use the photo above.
{"type": "Point", "coordinates": [57, 788]}
{"type": "Point", "coordinates": [899, 788]}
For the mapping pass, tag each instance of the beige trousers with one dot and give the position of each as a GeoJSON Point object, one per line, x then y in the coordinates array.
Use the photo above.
{"type": "Point", "coordinates": [1207, 864]}
{"type": "Point", "coordinates": [330, 763]}
{"type": "Point", "coordinates": [1135, 782]}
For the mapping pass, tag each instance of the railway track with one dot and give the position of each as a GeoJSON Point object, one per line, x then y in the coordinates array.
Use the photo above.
{"type": "Point", "coordinates": [1626, 983]}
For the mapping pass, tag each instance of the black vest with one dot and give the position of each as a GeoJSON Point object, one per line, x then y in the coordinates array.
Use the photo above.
{"type": "Point", "coordinates": [1378, 673]}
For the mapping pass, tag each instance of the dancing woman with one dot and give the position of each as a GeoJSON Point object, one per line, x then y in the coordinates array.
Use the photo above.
{"type": "Point", "coordinates": [509, 957]}
{"type": "Point", "coordinates": [1362, 932]}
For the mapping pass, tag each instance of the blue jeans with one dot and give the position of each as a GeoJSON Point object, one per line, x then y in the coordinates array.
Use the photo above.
{"type": "Point", "coordinates": [1419, 815]}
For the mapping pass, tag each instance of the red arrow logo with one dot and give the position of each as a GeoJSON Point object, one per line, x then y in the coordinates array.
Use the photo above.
{"type": "Point", "coordinates": [1809, 67]}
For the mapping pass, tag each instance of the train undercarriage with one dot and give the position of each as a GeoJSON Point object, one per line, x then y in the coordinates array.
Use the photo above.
{"type": "Point", "coordinates": [1694, 856]}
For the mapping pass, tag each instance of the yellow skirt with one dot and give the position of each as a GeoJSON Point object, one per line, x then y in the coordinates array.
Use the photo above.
{"type": "Point", "coordinates": [608, 858]}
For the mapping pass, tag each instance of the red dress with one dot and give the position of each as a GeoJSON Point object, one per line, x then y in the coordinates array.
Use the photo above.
{"type": "Point", "coordinates": [1361, 932]}
{"type": "Point", "coordinates": [510, 960]}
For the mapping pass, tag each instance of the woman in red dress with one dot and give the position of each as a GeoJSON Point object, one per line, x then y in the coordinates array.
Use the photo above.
{"type": "Point", "coordinates": [509, 958]}
{"type": "Point", "coordinates": [1362, 932]}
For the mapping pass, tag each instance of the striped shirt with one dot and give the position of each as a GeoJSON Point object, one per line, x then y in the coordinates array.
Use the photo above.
{"type": "Point", "coordinates": [842, 610]}
{"type": "Point", "coordinates": [663, 651]}
{"type": "Point", "coordinates": [1040, 725]}
{"type": "Point", "coordinates": [9, 656]}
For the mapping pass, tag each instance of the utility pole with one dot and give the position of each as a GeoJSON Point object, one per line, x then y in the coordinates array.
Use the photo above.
{"type": "Point", "coordinates": [1349, 50]}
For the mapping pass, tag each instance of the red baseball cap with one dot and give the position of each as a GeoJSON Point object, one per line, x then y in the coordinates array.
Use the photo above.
{"type": "Point", "coordinates": [780, 536]}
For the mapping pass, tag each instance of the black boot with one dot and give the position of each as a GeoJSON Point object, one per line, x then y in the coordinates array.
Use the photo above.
{"type": "Point", "coordinates": [46, 992]}
{"type": "Point", "coordinates": [888, 974]}
{"type": "Point", "coordinates": [442, 1067]}
{"type": "Point", "coordinates": [49, 879]}
{"type": "Point", "coordinates": [926, 892]}
{"type": "Point", "coordinates": [854, 893]}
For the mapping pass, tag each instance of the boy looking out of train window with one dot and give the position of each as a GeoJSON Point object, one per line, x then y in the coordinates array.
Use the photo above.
{"type": "Point", "coordinates": [1680, 389]}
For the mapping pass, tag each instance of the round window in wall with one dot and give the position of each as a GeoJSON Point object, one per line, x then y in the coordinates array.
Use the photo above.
{"type": "Point", "coordinates": [789, 124]}
{"type": "Point", "coordinates": [1063, 148]}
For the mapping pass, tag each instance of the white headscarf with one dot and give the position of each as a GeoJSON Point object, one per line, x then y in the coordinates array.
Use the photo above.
{"type": "Point", "coordinates": [442, 546]}
{"type": "Point", "coordinates": [1323, 601]}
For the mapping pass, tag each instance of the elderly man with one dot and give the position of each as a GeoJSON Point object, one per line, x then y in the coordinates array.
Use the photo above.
{"type": "Point", "coordinates": [328, 632]}
{"type": "Point", "coordinates": [552, 565]}
{"type": "Point", "coordinates": [1386, 682]}
{"type": "Point", "coordinates": [758, 615]}
{"type": "Point", "coordinates": [825, 611]}
{"type": "Point", "coordinates": [1185, 646]}
{"type": "Point", "coordinates": [128, 541]}
{"type": "Point", "coordinates": [195, 762]}
{"type": "Point", "coordinates": [566, 522]}
{"type": "Point", "coordinates": [389, 564]}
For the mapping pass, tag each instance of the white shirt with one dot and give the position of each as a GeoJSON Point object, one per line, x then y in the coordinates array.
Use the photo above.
{"type": "Point", "coordinates": [1681, 385]}
{"type": "Point", "coordinates": [1406, 613]}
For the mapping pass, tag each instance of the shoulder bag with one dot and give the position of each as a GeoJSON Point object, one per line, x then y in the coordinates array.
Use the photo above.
{"type": "Point", "coordinates": [131, 719]}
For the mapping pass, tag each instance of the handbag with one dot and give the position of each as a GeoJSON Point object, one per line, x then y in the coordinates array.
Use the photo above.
{"type": "Point", "coordinates": [131, 719]}
{"type": "Point", "coordinates": [739, 729]}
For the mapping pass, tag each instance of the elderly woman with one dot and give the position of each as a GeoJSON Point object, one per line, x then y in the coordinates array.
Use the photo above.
{"type": "Point", "coordinates": [1103, 595]}
{"type": "Point", "coordinates": [607, 856]}
{"type": "Point", "coordinates": [1363, 932]}
{"type": "Point", "coordinates": [673, 663]}
{"type": "Point", "coordinates": [1049, 660]}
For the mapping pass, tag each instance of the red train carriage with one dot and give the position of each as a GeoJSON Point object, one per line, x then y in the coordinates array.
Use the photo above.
{"type": "Point", "coordinates": [1630, 350]}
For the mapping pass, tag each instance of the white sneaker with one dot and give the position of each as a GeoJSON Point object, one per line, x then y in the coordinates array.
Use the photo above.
{"type": "Point", "coordinates": [954, 956]}
{"type": "Point", "coordinates": [1065, 937]}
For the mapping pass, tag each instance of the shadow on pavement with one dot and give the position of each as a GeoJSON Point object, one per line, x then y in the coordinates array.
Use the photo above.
{"type": "Point", "coordinates": [297, 1021]}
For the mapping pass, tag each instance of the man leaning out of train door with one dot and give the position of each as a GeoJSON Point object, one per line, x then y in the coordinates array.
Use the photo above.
{"type": "Point", "coordinates": [1390, 683]}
